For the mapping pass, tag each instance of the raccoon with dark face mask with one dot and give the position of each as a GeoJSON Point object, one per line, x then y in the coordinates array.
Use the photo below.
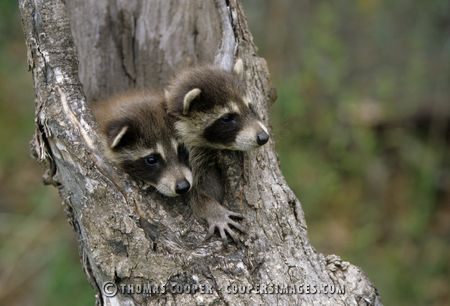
{"type": "Point", "coordinates": [212, 112]}
{"type": "Point", "coordinates": [139, 136]}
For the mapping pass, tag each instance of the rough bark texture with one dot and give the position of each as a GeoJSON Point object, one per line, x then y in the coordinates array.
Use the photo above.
{"type": "Point", "coordinates": [81, 50]}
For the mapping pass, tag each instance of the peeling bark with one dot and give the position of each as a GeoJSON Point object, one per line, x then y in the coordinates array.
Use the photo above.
{"type": "Point", "coordinates": [82, 50]}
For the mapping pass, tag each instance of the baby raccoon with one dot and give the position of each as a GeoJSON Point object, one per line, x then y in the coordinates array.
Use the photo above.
{"type": "Point", "coordinates": [138, 136]}
{"type": "Point", "coordinates": [212, 110]}
{"type": "Point", "coordinates": [213, 113]}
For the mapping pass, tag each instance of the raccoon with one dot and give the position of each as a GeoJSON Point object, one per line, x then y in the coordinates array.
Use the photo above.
{"type": "Point", "coordinates": [211, 113]}
{"type": "Point", "coordinates": [212, 110]}
{"type": "Point", "coordinates": [139, 137]}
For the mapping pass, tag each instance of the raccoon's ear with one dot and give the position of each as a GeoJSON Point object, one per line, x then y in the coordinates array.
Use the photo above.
{"type": "Point", "coordinates": [116, 135]}
{"type": "Point", "coordinates": [238, 68]}
{"type": "Point", "coordinates": [188, 98]}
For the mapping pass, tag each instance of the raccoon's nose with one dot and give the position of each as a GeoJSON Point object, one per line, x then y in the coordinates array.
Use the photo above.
{"type": "Point", "coordinates": [262, 138]}
{"type": "Point", "coordinates": [182, 186]}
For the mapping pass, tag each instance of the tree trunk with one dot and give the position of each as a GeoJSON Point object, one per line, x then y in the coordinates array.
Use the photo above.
{"type": "Point", "coordinates": [82, 50]}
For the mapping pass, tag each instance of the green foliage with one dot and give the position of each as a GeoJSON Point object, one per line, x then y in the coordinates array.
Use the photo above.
{"type": "Point", "coordinates": [379, 200]}
{"type": "Point", "coordinates": [39, 261]}
{"type": "Point", "coordinates": [62, 281]}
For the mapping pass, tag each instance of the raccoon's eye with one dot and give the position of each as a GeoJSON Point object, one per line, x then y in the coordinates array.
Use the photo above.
{"type": "Point", "coordinates": [228, 118]}
{"type": "Point", "coordinates": [151, 160]}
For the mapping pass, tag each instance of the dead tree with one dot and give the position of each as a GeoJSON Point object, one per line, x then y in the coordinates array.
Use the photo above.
{"type": "Point", "coordinates": [81, 50]}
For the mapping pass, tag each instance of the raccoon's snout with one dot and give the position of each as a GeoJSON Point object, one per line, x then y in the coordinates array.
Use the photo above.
{"type": "Point", "coordinates": [176, 180]}
{"type": "Point", "coordinates": [182, 186]}
{"type": "Point", "coordinates": [262, 138]}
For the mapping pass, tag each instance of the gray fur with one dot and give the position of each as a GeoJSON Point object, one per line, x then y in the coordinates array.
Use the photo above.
{"type": "Point", "coordinates": [217, 117]}
{"type": "Point", "coordinates": [134, 126]}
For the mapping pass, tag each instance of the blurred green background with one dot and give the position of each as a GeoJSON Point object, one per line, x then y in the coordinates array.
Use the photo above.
{"type": "Point", "coordinates": [362, 130]}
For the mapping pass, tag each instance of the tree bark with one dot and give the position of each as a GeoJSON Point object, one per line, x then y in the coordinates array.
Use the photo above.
{"type": "Point", "coordinates": [82, 50]}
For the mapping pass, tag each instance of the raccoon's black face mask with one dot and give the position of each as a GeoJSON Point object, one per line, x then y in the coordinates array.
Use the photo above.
{"type": "Point", "coordinates": [211, 110]}
{"type": "Point", "coordinates": [139, 136]}
{"type": "Point", "coordinates": [236, 131]}
{"type": "Point", "coordinates": [232, 125]}
{"type": "Point", "coordinates": [156, 160]}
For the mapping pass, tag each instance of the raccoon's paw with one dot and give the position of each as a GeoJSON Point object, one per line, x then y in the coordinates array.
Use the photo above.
{"type": "Point", "coordinates": [221, 220]}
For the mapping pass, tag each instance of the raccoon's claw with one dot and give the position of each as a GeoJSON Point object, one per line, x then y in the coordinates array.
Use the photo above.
{"type": "Point", "coordinates": [222, 231]}
{"type": "Point", "coordinates": [222, 221]}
